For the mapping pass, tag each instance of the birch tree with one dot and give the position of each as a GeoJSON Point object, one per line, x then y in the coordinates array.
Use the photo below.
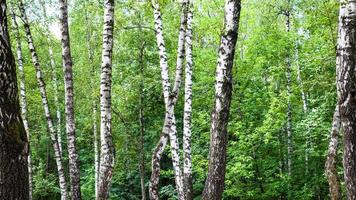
{"type": "Point", "coordinates": [53, 74]}
{"type": "Point", "coordinates": [346, 77]}
{"type": "Point", "coordinates": [47, 113]}
{"type": "Point", "coordinates": [107, 146]}
{"type": "Point", "coordinates": [170, 99]}
{"type": "Point", "coordinates": [94, 104]}
{"type": "Point", "coordinates": [214, 184]}
{"type": "Point", "coordinates": [14, 147]}
{"type": "Point", "coordinates": [330, 165]}
{"type": "Point", "coordinates": [23, 100]}
{"type": "Point", "coordinates": [187, 117]}
{"type": "Point", "coordinates": [69, 102]}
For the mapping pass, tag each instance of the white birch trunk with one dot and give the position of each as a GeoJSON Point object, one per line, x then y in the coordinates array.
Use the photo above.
{"type": "Point", "coordinates": [43, 92]}
{"type": "Point", "coordinates": [67, 63]}
{"type": "Point", "coordinates": [107, 146]}
{"type": "Point", "coordinates": [170, 98]}
{"type": "Point", "coordinates": [346, 77]}
{"type": "Point", "coordinates": [214, 184]}
{"type": "Point", "coordinates": [23, 99]}
{"type": "Point", "coordinates": [53, 76]}
{"type": "Point", "coordinates": [187, 117]}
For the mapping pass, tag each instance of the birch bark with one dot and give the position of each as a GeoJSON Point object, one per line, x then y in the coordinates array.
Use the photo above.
{"type": "Point", "coordinates": [214, 184]}
{"type": "Point", "coordinates": [170, 99]}
{"type": "Point", "coordinates": [13, 141]}
{"type": "Point", "coordinates": [330, 165]}
{"type": "Point", "coordinates": [43, 92]}
{"type": "Point", "coordinates": [187, 117]}
{"type": "Point", "coordinates": [23, 100]}
{"type": "Point", "coordinates": [67, 63]}
{"type": "Point", "coordinates": [107, 146]}
{"type": "Point", "coordinates": [53, 76]}
{"type": "Point", "coordinates": [346, 88]}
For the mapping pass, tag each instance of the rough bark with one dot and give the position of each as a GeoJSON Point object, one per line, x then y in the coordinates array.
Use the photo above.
{"type": "Point", "coordinates": [23, 99]}
{"type": "Point", "coordinates": [346, 77]}
{"type": "Point", "coordinates": [43, 92]}
{"type": "Point", "coordinates": [187, 117]}
{"type": "Point", "coordinates": [214, 184]}
{"type": "Point", "coordinates": [14, 177]}
{"type": "Point", "coordinates": [53, 75]}
{"type": "Point", "coordinates": [170, 99]}
{"type": "Point", "coordinates": [107, 146]}
{"type": "Point", "coordinates": [67, 63]}
{"type": "Point", "coordinates": [141, 123]}
{"type": "Point", "coordinates": [330, 164]}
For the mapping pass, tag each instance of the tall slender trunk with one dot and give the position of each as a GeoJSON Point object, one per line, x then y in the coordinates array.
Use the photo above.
{"type": "Point", "coordinates": [74, 172]}
{"type": "Point", "coordinates": [43, 92]}
{"type": "Point", "coordinates": [187, 118]}
{"type": "Point", "coordinates": [305, 109]}
{"type": "Point", "coordinates": [214, 184]}
{"type": "Point", "coordinates": [289, 104]}
{"type": "Point", "coordinates": [94, 106]}
{"type": "Point", "coordinates": [142, 125]}
{"type": "Point", "coordinates": [14, 177]}
{"type": "Point", "coordinates": [23, 99]}
{"type": "Point", "coordinates": [107, 146]}
{"type": "Point", "coordinates": [170, 99]}
{"type": "Point", "coordinates": [346, 77]}
{"type": "Point", "coordinates": [330, 165]}
{"type": "Point", "coordinates": [53, 75]}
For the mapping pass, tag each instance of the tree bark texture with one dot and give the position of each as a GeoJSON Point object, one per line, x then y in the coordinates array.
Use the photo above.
{"type": "Point", "coordinates": [14, 177]}
{"type": "Point", "coordinates": [346, 88]}
{"type": "Point", "coordinates": [23, 99]}
{"type": "Point", "coordinates": [214, 184]}
{"type": "Point", "coordinates": [107, 146]}
{"type": "Point", "coordinates": [74, 173]}
{"type": "Point", "coordinates": [187, 116]}
{"type": "Point", "coordinates": [330, 164]}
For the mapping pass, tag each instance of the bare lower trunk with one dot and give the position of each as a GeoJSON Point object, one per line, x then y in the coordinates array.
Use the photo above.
{"type": "Point", "coordinates": [14, 177]}
{"type": "Point", "coordinates": [23, 99]}
{"type": "Point", "coordinates": [346, 77]}
{"type": "Point", "coordinates": [43, 92]}
{"type": "Point", "coordinates": [214, 184]}
{"type": "Point", "coordinates": [74, 173]}
{"type": "Point", "coordinates": [330, 165]}
{"type": "Point", "coordinates": [107, 146]}
{"type": "Point", "coordinates": [53, 76]}
{"type": "Point", "coordinates": [187, 118]}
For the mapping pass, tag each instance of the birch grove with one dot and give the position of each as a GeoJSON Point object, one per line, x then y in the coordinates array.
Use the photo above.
{"type": "Point", "coordinates": [107, 147]}
{"type": "Point", "coordinates": [214, 184]}
{"type": "Point", "coordinates": [47, 113]}
{"type": "Point", "coordinates": [14, 147]}
{"type": "Point", "coordinates": [181, 115]}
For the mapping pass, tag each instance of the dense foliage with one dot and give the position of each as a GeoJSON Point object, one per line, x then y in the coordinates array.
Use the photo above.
{"type": "Point", "coordinates": [257, 148]}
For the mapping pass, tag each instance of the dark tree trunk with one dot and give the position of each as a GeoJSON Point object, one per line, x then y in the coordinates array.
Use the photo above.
{"type": "Point", "coordinates": [214, 184]}
{"type": "Point", "coordinates": [346, 87]}
{"type": "Point", "coordinates": [14, 182]}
